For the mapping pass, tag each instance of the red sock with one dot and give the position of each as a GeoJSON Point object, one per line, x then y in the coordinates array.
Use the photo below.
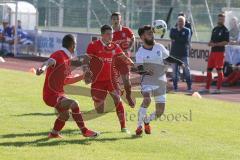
{"type": "Point", "coordinates": [230, 77]}
{"type": "Point", "coordinates": [121, 114]}
{"type": "Point", "coordinates": [235, 78]}
{"type": "Point", "coordinates": [77, 116]}
{"type": "Point", "coordinates": [209, 80]}
{"type": "Point", "coordinates": [220, 79]}
{"type": "Point", "coordinates": [58, 125]}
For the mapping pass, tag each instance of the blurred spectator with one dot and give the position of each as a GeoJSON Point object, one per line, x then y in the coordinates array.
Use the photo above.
{"type": "Point", "coordinates": [234, 77]}
{"type": "Point", "coordinates": [180, 37]}
{"type": "Point", "coordinates": [232, 52]}
{"type": "Point", "coordinates": [187, 23]}
{"type": "Point", "coordinates": [189, 26]}
{"type": "Point", "coordinates": [23, 37]}
{"type": "Point", "coordinates": [6, 38]}
{"type": "Point", "coordinates": [234, 30]}
{"type": "Point", "coordinates": [219, 39]}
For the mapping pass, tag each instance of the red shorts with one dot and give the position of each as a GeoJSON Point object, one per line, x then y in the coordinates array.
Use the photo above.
{"type": "Point", "coordinates": [53, 100]}
{"type": "Point", "coordinates": [100, 89]}
{"type": "Point", "coordinates": [216, 60]}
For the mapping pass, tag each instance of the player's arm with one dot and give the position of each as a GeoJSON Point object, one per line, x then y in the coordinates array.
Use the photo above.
{"type": "Point", "coordinates": [128, 89]}
{"type": "Point", "coordinates": [120, 55]}
{"type": "Point", "coordinates": [211, 43]}
{"type": "Point", "coordinates": [171, 59]}
{"type": "Point", "coordinates": [132, 40]}
{"type": "Point", "coordinates": [49, 63]}
{"type": "Point", "coordinates": [86, 69]}
{"type": "Point", "coordinates": [221, 44]}
{"type": "Point", "coordinates": [125, 59]}
{"type": "Point", "coordinates": [138, 67]}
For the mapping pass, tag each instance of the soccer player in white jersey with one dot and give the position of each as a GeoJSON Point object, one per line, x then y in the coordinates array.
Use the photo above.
{"type": "Point", "coordinates": [151, 60]}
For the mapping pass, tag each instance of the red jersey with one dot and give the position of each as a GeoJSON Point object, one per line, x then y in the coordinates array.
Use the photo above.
{"type": "Point", "coordinates": [123, 37]}
{"type": "Point", "coordinates": [98, 51]}
{"type": "Point", "coordinates": [56, 75]}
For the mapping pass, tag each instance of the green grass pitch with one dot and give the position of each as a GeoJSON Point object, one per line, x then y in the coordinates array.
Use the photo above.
{"type": "Point", "coordinates": [210, 129]}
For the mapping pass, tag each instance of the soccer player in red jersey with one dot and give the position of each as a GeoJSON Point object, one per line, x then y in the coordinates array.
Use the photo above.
{"type": "Point", "coordinates": [125, 38]}
{"type": "Point", "coordinates": [100, 71]}
{"type": "Point", "coordinates": [219, 38]}
{"type": "Point", "coordinates": [57, 69]}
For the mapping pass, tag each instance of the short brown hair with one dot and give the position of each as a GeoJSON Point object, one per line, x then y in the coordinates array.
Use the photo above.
{"type": "Point", "coordinates": [144, 28]}
{"type": "Point", "coordinates": [67, 41]}
{"type": "Point", "coordinates": [105, 27]}
{"type": "Point", "coordinates": [115, 14]}
{"type": "Point", "coordinates": [221, 15]}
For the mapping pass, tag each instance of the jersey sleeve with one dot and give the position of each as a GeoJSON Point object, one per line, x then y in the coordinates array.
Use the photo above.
{"type": "Point", "coordinates": [91, 49]}
{"type": "Point", "coordinates": [139, 57]}
{"type": "Point", "coordinates": [121, 66]}
{"type": "Point", "coordinates": [165, 52]}
{"type": "Point", "coordinates": [212, 36]}
{"type": "Point", "coordinates": [118, 50]}
{"type": "Point", "coordinates": [58, 58]}
{"type": "Point", "coordinates": [130, 33]}
{"type": "Point", "coordinates": [119, 62]}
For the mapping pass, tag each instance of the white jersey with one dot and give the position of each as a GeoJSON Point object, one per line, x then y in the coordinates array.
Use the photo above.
{"type": "Point", "coordinates": [153, 60]}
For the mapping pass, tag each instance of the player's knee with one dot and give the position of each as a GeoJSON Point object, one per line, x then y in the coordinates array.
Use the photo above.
{"type": "Point", "coordinates": [209, 69]}
{"type": "Point", "coordinates": [116, 97]}
{"type": "Point", "coordinates": [147, 101]}
{"type": "Point", "coordinates": [161, 99]}
{"type": "Point", "coordinates": [219, 70]}
{"type": "Point", "coordinates": [159, 112]}
{"type": "Point", "coordinates": [64, 116]}
{"type": "Point", "coordinates": [74, 104]}
{"type": "Point", "coordinates": [116, 101]}
{"type": "Point", "coordinates": [99, 109]}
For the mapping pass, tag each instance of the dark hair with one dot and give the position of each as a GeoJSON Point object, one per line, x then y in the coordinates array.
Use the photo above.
{"type": "Point", "coordinates": [105, 28]}
{"type": "Point", "coordinates": [115, 14]}
{"type": "Point", "coordinates": [142, 29]}
{"type": "Point", "coordinates": [181, 14]}
{"type": "Point", "coordinates": [67, 41]}
{"type": "Point", "coordinates": [221, 15]}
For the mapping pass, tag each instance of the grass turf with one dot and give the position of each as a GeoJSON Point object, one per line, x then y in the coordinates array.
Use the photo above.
{"type": "Point", "coordinates": [207, 129]}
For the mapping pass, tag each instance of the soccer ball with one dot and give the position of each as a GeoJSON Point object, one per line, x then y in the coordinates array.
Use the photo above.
{"type": "Point", "coordinates": [159, 27]}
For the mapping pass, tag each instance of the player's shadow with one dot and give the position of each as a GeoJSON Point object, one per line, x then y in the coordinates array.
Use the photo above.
{"type": "Point", "coordinates": [41, 142]}
{"type": "Point", "coordinates": [35, 114]}
{"type": "Point", "coordinates": [28, 134]}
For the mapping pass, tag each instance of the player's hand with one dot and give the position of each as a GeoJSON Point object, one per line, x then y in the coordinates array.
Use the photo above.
{"type": "Point", "coordinates": [211, 44]}
{"type": "Point", "coordinates": [150, 72]}
{"type": "Point", "coordinates": [183, 65]}
{"type": "Point", "coordinates": [88, 77]}
{"type": "Point", "coordinates": [126, 59]}
{"type": "Point", "coordinates": [39, 71]}
{"type": "Point", "coordinates": [233, 43]}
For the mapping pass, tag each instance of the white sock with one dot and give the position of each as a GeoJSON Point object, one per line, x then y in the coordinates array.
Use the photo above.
{"type": "Point", "coordinates": [141, 115]}
{"type": "Point", "coordinates": [150, 118]}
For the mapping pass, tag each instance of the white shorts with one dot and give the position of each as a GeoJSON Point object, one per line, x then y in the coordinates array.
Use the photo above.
{"type": "Point", "coordinates": [159, 93]}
